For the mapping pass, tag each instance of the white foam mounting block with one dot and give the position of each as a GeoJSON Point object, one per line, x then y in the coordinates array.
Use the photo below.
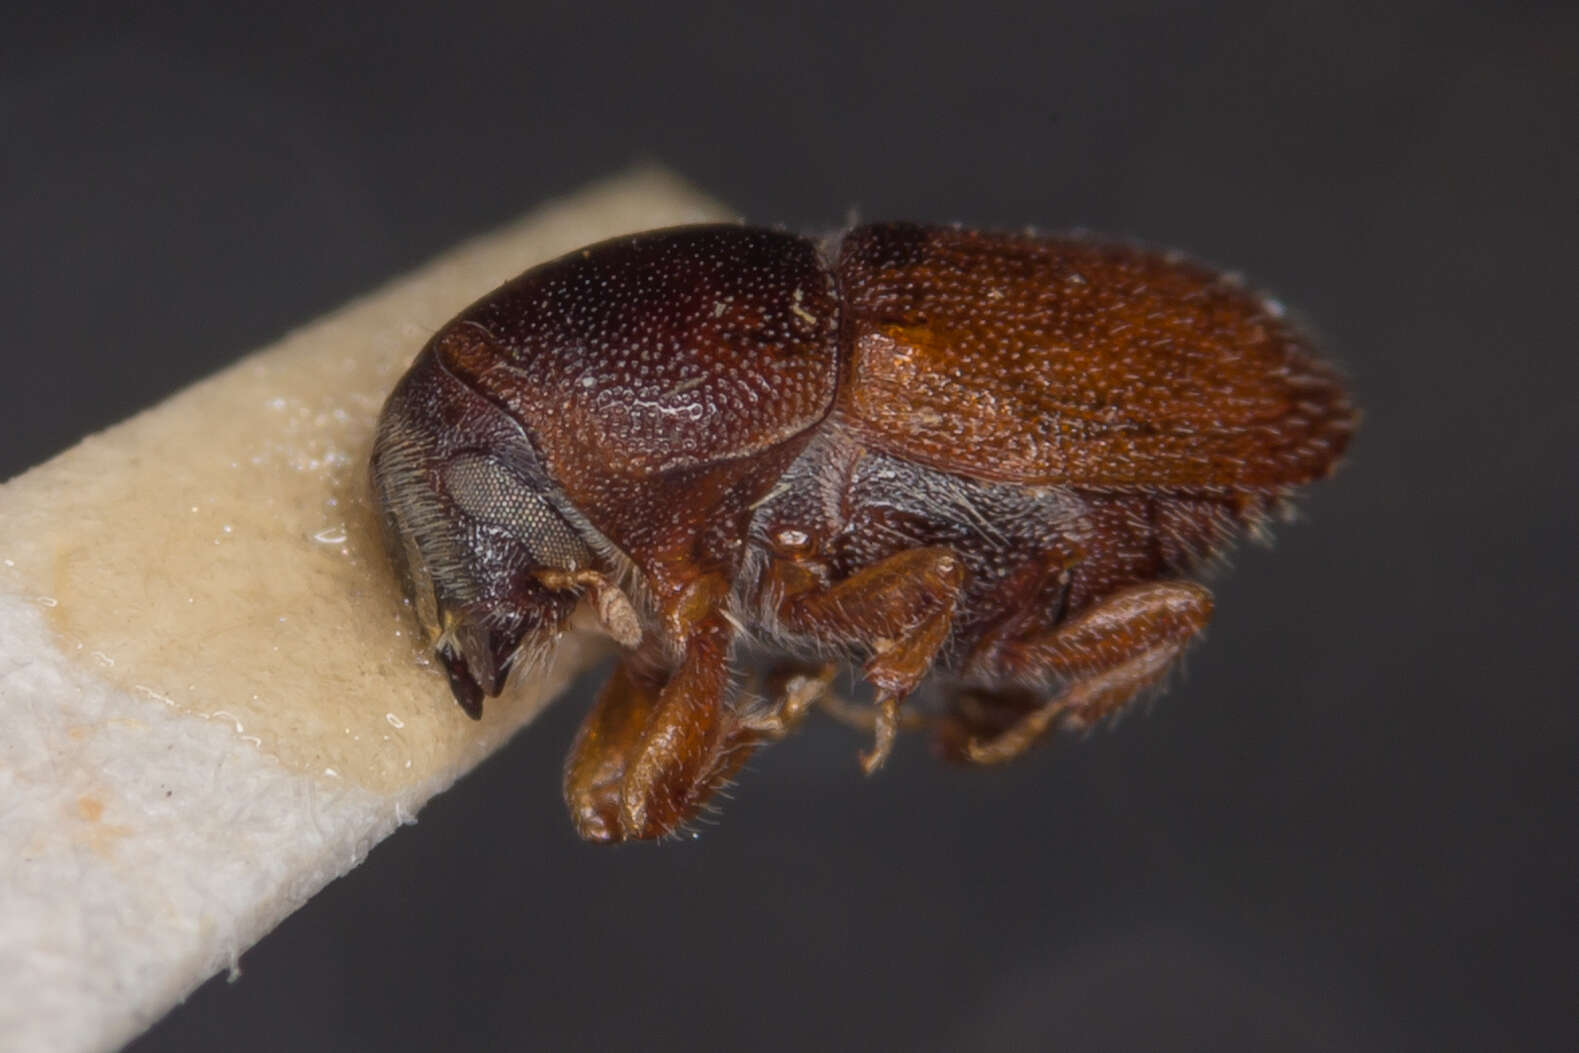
{"type": "Point", "coordinates": [212, 702]}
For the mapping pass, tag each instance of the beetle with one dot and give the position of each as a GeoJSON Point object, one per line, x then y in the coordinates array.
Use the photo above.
{"type": "Point", "coordinates": [1003, 458]}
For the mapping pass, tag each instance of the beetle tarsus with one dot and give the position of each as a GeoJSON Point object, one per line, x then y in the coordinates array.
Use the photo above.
{"type": "Point", "coordinates": [794, 689]}
{"type": "Point", "coordinates": [886, 726]}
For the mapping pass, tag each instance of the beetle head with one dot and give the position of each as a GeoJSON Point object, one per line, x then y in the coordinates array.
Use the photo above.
{"type": "Point", "coordinates": [477, 533]}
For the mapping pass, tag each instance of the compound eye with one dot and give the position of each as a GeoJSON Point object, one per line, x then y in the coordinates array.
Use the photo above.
{"type": "Point", "coordinates": [493, 495]}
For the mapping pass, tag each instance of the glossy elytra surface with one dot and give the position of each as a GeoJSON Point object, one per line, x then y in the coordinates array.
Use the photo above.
{"type": "Point", "coordinates": [995, 460]}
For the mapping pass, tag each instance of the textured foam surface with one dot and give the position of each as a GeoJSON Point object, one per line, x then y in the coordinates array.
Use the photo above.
{"type": "Point", "coordinates": [211, 703]}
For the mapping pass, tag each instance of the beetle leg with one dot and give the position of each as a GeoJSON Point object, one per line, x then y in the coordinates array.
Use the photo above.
{"type": "Point", "coordinates": [797, 687]}
{"type": "Point", "coordinates": [977, 715]}
{"type": "Point", "coordinates": [862, 718]}
{"type": "Point", "coordinates": [901, 609]}
{"type": "Point", "coordinates": [1106, 655]}
{"type": "Point", "coordinates": [595, 769]}
{"type": "Point", "coordinates": [794, 688]}
{"type": "Point", "coordinates": [654, 749]}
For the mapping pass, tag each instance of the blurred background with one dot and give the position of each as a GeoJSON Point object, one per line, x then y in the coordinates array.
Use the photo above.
{"type": "Point", "coordinates": [1350, 827]}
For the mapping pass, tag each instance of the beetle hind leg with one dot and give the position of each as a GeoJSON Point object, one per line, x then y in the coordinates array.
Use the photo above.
{"type": "Point", "coordinates": [1105, 657]}
{"type": "Point", "coordinates": [978, 715]}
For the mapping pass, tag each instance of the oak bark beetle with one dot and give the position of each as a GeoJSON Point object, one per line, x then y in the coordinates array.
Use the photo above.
{"type": "Point", "coordinates": [997, 457]}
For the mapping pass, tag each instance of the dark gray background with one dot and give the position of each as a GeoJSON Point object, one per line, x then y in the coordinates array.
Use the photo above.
{"type": "Point", "coordinates": [1350, 827]}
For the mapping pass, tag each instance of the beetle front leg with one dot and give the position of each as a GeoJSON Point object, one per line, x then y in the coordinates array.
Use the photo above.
{"type": "Point", "coordinates": [793, 688]}
{"type": "Point", "coordinates": [610, 733]}
{"type": "Point", "coordinates": [655, 748]}
{"type": "Point", "coordinates": [1106, 656]}
{"type": "Point", "coordinates": [901, 609]}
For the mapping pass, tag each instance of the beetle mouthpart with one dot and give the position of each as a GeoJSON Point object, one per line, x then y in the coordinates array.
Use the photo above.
{"type": "Point", "coordinates": [482, 645]}
{"type": "Point", "coordinates": [476, 661]}
{"type": "Point", "coordinates": [465, 689]}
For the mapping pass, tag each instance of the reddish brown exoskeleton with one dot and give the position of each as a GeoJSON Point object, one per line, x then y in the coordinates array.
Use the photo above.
{"type": "Point", "coordinates": [994, 457]}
